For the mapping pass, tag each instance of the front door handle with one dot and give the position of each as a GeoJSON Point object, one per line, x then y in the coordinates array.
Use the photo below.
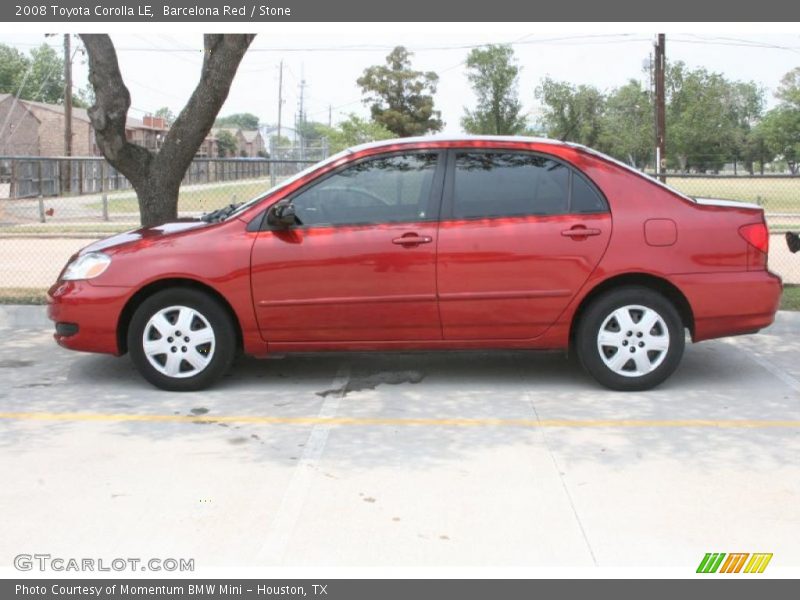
{"type": "Point", "coordinates": [410, 240]}
{"type": "Point", "coordinates": [580, 232]}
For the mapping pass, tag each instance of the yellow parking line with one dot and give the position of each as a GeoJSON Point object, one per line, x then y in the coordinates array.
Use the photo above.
{"type": "Point", "coordinates": [431, 422]}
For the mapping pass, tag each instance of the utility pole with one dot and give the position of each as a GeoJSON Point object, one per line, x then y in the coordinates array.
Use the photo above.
{"type": "Point", "coordinates": [280, 98]}
{"type": "Point", "coordinates": [330, 114]}
{"type": "Point", "coordinates": [661, 120]}
{"type": "Point", "coordinates": [68, 107]}
{"type": "Point", "coordinates": [302, 116]}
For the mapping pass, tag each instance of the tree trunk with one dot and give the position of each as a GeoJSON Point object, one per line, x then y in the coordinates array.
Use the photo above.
{"type": "Point", "coordinates": [156, 177]}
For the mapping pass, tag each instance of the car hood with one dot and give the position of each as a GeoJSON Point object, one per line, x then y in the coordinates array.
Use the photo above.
{"type": "Point", "coordinates": [144, 233]}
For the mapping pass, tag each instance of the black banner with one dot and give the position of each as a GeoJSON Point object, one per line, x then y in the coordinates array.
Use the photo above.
{"type": "Point", "coordinates": [393, 589]}
{"type": "Point", "coordinates": [263, 11]}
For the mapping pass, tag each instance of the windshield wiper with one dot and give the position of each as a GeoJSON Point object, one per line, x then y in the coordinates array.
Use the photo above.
{"type": "Point", "coordinates": [221, 213]}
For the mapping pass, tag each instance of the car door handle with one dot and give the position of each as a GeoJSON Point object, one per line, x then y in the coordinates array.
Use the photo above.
{"type": "Point", "coordinates": [579, 231]}
{"type": "Point", "coordinates": [412, 239]}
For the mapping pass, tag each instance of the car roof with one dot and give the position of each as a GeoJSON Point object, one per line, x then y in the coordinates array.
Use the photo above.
{"type": "Point", "coordinates": [441, 138]}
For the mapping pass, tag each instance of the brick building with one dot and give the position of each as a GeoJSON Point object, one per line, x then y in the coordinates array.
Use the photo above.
{"type": "Point", "coordinates": [51, 129]}
{"type": "Point", "coordinates": [148, 132]}
{"type": "Point", "coordinates": [249, 142]}
{"type": "Point", "coordinates": [252, 143]}
{"type": "Point", "coordinates": [30, 128]}
{"type": "Point", "coordinates": [19, 128]}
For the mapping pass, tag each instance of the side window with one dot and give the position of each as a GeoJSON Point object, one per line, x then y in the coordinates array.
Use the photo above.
{"type": "Point", "coordinates": [498, 184]}
{"type": "Point", "coordinates": [379, 190]}
{"type": "Point", "coordinates": [585, 198]}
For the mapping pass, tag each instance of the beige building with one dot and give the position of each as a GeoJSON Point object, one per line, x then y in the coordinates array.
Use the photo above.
{"type": "Point", "coordinates": [252, 143]}
{"type": "Point", "coordinates": [249, 142]}
{"type": "Point", "coordinates": [148, 132]}
{"type": "Point", "coordinates": [30, 128]}
{"type": "Point", "coordinates": [19, 128]}
{"type": "Point", "coordinates": [51, 129]}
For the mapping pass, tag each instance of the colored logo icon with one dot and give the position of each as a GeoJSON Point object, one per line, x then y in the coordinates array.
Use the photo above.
{"type": "Point", "coordinates": [737, 562]}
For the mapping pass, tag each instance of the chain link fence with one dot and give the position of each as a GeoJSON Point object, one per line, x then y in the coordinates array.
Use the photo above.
{"type": "Point", "coordinates": [51, 207]}
{"type": "Point", "coordinates": [779, 195]}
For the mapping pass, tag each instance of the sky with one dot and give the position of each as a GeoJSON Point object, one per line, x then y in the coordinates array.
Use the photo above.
{"type": "Point", "coordinates": [161, 67]}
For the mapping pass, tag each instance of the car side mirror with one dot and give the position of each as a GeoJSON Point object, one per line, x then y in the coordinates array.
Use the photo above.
{"type": "Point", "coordinates": [282, 215]}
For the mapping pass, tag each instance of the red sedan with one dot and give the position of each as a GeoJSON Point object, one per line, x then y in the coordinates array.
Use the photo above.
{"type": "Point", "coordinates": [430, 244]}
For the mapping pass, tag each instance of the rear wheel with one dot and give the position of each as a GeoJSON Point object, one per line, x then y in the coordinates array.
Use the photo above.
{"type": "Point", "coordinates": [630, 339]}
{"type": "Point", "coordinates": [181, 339]}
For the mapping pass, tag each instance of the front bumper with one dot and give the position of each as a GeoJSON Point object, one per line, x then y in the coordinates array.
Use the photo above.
{"type": "Point", "coordinates": [87, 315]}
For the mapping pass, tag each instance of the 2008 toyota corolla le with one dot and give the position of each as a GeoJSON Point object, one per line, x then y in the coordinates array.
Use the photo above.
{"type": "Point", "coordinates": [430, 244]}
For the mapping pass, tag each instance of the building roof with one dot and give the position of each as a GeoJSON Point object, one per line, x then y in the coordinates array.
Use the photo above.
{"type": "Point", "coordinates": [4, 97]}
{"type": "Point", "coordinates": [77, 113]}
{"type": "Point", "coordinates": [135, 123]}
{"type": "Point", "coordinates": [250, 135]}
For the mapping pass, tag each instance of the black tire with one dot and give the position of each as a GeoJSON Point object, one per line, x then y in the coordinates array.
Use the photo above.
{"type": "Point", "coordinates": [208, 314]}
{"type": "Point", "coordinates": [629, 377]}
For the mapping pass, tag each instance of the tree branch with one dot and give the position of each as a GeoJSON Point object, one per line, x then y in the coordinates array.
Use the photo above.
{"type": "Point", "coordinates": [110, 110]}
{"type": "Point", "coordinates": [223, 53]}
{"type": "Point", "coordinates": [157, 177]}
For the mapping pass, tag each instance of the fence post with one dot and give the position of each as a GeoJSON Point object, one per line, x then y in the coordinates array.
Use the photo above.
{"type": "Point", "coordinates": [103, 189]}
{"type": "Point", "coordinates": [41, 196]}
{"type": "Point", "coordinates": [12, 188]}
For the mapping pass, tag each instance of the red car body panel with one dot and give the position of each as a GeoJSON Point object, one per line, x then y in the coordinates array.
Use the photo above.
{"type": "Point", "coordinates": [485, 283]}
{"type": "Point", "coordinates": [347, 283]}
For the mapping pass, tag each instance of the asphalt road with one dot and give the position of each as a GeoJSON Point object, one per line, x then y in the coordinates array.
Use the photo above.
{"type": "Point", "coordinates": [504, 459]}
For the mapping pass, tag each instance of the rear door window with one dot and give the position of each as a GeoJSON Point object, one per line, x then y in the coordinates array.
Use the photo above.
{"type": "Point", "coordinates": [510, 184]}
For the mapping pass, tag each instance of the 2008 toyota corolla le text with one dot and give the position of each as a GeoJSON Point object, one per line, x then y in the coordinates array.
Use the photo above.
{"type": "Point", "coordinates": [430, 243]}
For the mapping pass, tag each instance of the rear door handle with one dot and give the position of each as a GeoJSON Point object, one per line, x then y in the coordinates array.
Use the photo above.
{"type": "Point", "coordinates": [412, 239]}
{"type": "Point", "coordinates": [579, 231]}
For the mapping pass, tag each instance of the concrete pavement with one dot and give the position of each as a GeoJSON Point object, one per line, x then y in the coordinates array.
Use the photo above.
{"type": "Point", "coordinates": [501, 459]}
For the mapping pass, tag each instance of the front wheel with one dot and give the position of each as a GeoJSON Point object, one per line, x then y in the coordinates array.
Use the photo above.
{"type": "Point", "coordinates": [181, 340]}
{"type": "Point", "coordinates": [630, 339]}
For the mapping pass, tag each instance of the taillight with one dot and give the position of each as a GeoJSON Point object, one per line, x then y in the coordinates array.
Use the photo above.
{"type": "Point", "coordinates": [757, 235]}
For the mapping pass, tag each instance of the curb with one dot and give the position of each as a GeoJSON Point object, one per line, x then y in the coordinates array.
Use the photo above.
{"type": "Point", "coordinates": [22, 316]}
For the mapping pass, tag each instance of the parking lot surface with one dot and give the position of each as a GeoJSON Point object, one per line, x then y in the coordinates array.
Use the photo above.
{"type": "Point", "coordinates": [491, 459]}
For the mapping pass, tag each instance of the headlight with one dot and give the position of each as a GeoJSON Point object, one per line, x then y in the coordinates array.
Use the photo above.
{"type": "Point", "coordinates": [87, 266]}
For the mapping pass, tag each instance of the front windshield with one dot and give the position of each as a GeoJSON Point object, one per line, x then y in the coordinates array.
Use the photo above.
{"type": "Point", "coordinates": [286, 182]}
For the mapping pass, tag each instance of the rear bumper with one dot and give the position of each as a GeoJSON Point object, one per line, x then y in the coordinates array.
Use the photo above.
{"type": "Point", "coordinates": [734, 303]}
{"type": "Point", "coordinates": [86, 316]}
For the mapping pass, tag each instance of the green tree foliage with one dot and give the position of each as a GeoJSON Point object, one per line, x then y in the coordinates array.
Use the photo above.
{"type": "Point", "coordinates": [627, 125]}
{"type": "Point", "coordinates": [240, 120]}
{"type": "Point", "coordinates": [166, 113]}
{"type": "Point", "coordinates": [279, 141]}
{"type": "Point", "coordinates": [789, 90]}
{"type": "Point", "coordinates": [400, 98]}
{"type": "Point", "coordinates": [780, 128]}
{"type": "Point", "coordinates": [311, 131]}
{"type": "Point", "coordinates": [572, 113]}
{"type": "Point", "coordinates": [38, 76]}
{"type": "Point", "coordinates": [46, 80]}
{"type": "Point", "coordinates": [353, 131]}
{"type": "Point", "coordinates": [13, 65]}
{"type": "Point", "coordinates": [709, 118]}
{"type": "Point", "coordinates": [493, 74]}
{"type": "Point", "coordinates": [227, 146]}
